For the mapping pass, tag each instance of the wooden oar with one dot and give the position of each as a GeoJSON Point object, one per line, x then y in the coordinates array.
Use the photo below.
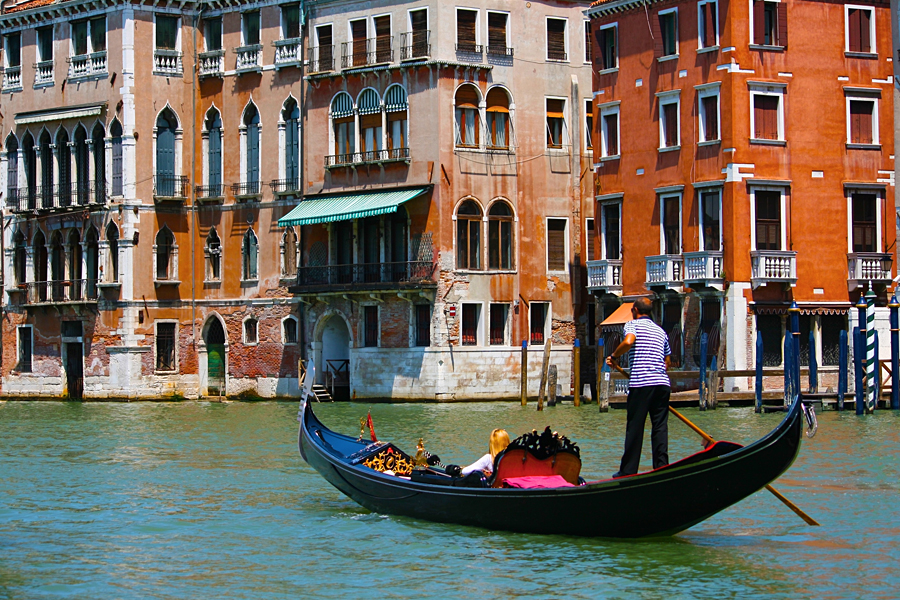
{"type": "Point", "coordinates": [709, 439]}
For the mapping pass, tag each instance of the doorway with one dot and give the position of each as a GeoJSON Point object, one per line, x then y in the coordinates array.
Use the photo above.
{"type": "Point", "coordinates": [215, 359]}
{"type": "Point", "coordinates": [74, 370]}
{"type": "Point", "coordinates": [335, 363]}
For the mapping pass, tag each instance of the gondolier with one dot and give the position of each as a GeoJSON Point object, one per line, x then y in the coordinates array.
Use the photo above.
{"type": "Point", "coordinates": [648, 388]}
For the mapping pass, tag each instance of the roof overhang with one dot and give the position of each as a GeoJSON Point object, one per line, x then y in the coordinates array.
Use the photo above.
{"type": "Point", "coordinates": [345, 207]}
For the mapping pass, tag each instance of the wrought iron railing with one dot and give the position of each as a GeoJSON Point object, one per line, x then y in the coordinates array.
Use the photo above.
{"type": "Point", "coordinates": [285, 186]}
{"type": "Point", "coordinates": [170, 186]}
{"type": "Point", "coordinates": [321, 59]}
{"type": "Point", "coordinates": [605, 275]}
{"type": "Point", "coordinates": [469, 48]}
{"type": "Point", "coordinates": [216, 190]}
{"type": "Point", "coordinates": [703, 266]}
{"type": "Point", "coordinates": [87, 65]}
{"type": "Point", "coordinates": [374, 156]}
{"type": "Point", "coordinates": [288, 52]}
{"type": "Point", "coordinates": [249, 58]}
{"type": "Point", "coordinates": [65, 290]}
{"type": "Point", "coordinates": [557, 55]}
{"type": "Point", "coordinates": [212, 63]}
{"type": "Point", "coordinates": [371, 51]}
{"type": "Point", "coordinates": [366, 274]}
{"type": "Point", "coordinates": [61, 196]}
{"type": "Point", "coordinates": [245, 188]}
{"type": "Point", "coordinates": [499, 51]}
{"type": "Point", "coordinates": [167, 62]}
{"type": "Point", "coordinates": [664, 269]}
{"type": "Point", "coordinates": [415, 44]}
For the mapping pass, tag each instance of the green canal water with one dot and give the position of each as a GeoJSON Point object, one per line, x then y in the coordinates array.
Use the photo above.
{"type": "Point", "coordinates": [197, 500]}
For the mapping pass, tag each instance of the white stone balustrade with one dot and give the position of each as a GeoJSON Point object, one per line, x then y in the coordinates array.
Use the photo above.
{"type": "Point", "coordinates": [288, 52]}
{"type": "Point", "coordinates": [212, 63]}
{"type": "Point", "coordinates": [12, 78]}
{"type": "Point", "coordinates": [704, 266]}
{"type": "Point", "coordinates": [87, 65]}
{"type": "Point", "coordinates": [865, 267]}
{"type": "Point", "coordinates": [605, 275]}
{"type": "Point", "coordinates": [167, 62]}
{"type": "Point", "coordinates": [665, 270]}
{"type": "Point", "coordinates": [249, 58]}
{"type": "Point", "coordinates": [773, 266]}
{"type": "Point", "coordinates": [43, 72]}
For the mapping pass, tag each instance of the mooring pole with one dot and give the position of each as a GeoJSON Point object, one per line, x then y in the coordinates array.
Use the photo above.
{"type": "Point", "coordinates": [877, 380]}
{"type": "Point", "coordinates": [704, 342]}
{"type": "Point", "coordinates": [794, 312]}
{"type": "Point", "coordinates": [601, 362]}
{"type": "Point", "coordinates": [759, 371]}
{"type": "Point", "coordinates": [788, 366]}
{"type": "Point", "coordinates": [895, 351]}
{"type": "Point", "coordinates": [842, 369]}
{"type": "Point", "coordinates": [871, 367]}
{"type": "Point", "coordinates": [524, 386]}
{"type": "Point", "coordinates": [859, 369]}
{"type": "Point", "coordinates": [577, 357]}
{"type": "Point", "coordinates": [813, 364]}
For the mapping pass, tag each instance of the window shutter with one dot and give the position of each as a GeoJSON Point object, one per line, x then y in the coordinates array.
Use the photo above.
{"type": "Point", "coordinates": [215, 159]}
{"type": "Point", "coordinates": [497, 31]}
{"type": "Point", "coordinates": [670, 114]}
{"type": "Point", "coordinates": [467, 97]}
{"type": "Point", "coordinates": [612, 134]}
{"type": "Point", "coordinates": [782, 24]}
{"type": "Point", "coordinates": [253, 153]}
{"type": "Point", "coordinates": [656, 32]}
{"type": "Point", "coordinates": [165, 150]}
{"type": "Point", "coordinates": [765, 109]}
{"type": "Point", "coordinates": [465, 28]}
{"type": "Point", "coordinates": [556, 245]}
{"type": "Point", "coordinates": [419, 20]}
{"type": "Point", "coordinates": [759, 22]}
{"type": "Point", "coordinates": [117, 166]}
{"type": "Point", "coordinates": [865, 44]}
{"type": "Point", "coordinates": [853, 29]}
{"type": "Point", "coordinates": [588, 47]}
{"type": "Point", "coordinates": [556, 39]}
{"type": "Point", "coordinates": [710, 104]}
{"type": "Point", "coordinates": [711, 22]}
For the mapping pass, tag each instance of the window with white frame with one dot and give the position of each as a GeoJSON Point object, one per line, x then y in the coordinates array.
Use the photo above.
{"type": "Point", "coordinates": [557, 135]}
{"type": "Point", "coordinates": [497, 325]}
{"type": "Point", "coordinates": [859, 29]}
{"type": "Point", "coordinates": [767, 208]}
{"type": "Point", "coordinates": [669, 119]}
{"type": "Point", "coordinates": [383, 39]}
{"type": "Point", "coordinates": [43, 69]}
{"type": "Point", "coordinates": [557, 39]}
{"type": "Point", "coordinates": [769, 23]}
{"type": "Point", "coordinates": [467, 31]}
{"type": "Point", "coordinates": [343, 125]}
{"type": "Point", "coordinates": [667, 44]}
{"type": "Point", "coordinates": [322, 56]}
{"type": "Point", "coordinates": [213, 252]}
{"type": "Point", "coordinates": [670, 217]}
{"type": "Point", "coordinates": [588, 126]}
{"type": "Point", "coordinates": [12, 57]}
{"type": "Point", "coordinates": [468, 235]}
{"type": "Point", "coordinates": [251, 331]}
{"type": "Point", "coordinates": [167, 32]}
{"type": "Point", "coordinates": [500, 239]}
{"type": "Point", "coordinates": [250, 28]}
{"type": "Point", "coordinates": [471, 324]}
{"type": "Point", "coordinates": [709, 112]}
{"type": "Point", "coordinates": [710, 219]}
{"type": "Point", "coordinates": [468, 120]}
{"type": "Point", "coordinates": [88, 37]}
{"type": "Point", "coordinates": [588, 46]}
{"type": "Point", "coordinates": [497, 118]}
{"type": "Point", "coordinates": [250, 256]}
{"type": "Point", "coordinates": [165, 256]}
{"type": "Point", "coordinates": [865, 213]}
{"type": "Point", "coordinates": [609, 129]}
{"type": "Point", "coordinates": [498, 33]}
{"type": "Point", "coordinates": [708, 23]}
{"type": "Point", "coordinates": [608, 46]}
{"type": "Point", "coordinates": [368, 105]}
{"type": "Point", "coordinates": [290, 330]}
{"type": "Point", "coordinates": [589, 237]}
{"type": "Point", "coordinates": [611, 230]}
{"type": "Point", "coordinates": [557, 245]}
{"type": "Point", "coordinates": [538, 322]}
{"type": "Point", "coordinates": [290, 22]}
{"type": "Point", "coordinates": [25, 345]}
{"type": "Point", "coordinates": [213, 34]}
{"type": "Point", "coordinates": [862, 117]}
{"type": "Point", "coordinates": [767, 113]}
{"type": "Point", "coordinates": [417, 43]}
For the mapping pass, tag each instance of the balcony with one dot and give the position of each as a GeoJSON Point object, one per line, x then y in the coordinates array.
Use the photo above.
{"type": "Point", "coordinates": [415, 45]}
{"type": "Point", "coordinates": [58, 198]}
{"type": "Point", "coordinates": [665, 270]}
{"type": "Point", "coordinates": [170, 188]}
{"type": "Point", "coordinates": [867, 268]}
{"type": "Point", "coordinates": [365, 53]}
{"type": "Point", "coordinates": [500, 51]}
{"type": "Point", "coordinates": [12, 79]}
{"type": "Point", "coordinates": [85, 66]}
{"type": "Point", "coordinates": [288, 53]}
{"type": "Point", "coordinates": [373, 157]}
{"type": "Point", "coordinates": [167, 62]}
{"type": "Point", "coordinates": [67, 291]}
{"type": "Point", "coordinates": [705, 268]}
{"type": "Point", "coordinates": [249, 58]}
{"type": "Point", "coordinates": [365, 277]}
{"type": "Point", "coordinates": [470, 52]}
{"type": "Point", "coordinates": [773, 266]}
{"type": "Point", "coordinates": [605, 276]}
{"type": "Point", "coordinates": [285, 186]}
{"type": "Point", "coordinates": [210, 194]}
{"type": "Point", "coordinates": [43, 73]}
{"type": "Point", "coordinates": [321, 59]}
{"type": "Point", "coordinates": [212, 63]}
{"type": "Point", "coordinates": [246, 190]}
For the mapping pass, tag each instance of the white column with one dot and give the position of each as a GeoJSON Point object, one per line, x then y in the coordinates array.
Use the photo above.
{"type": "Point", "coordinates": [740, 343]}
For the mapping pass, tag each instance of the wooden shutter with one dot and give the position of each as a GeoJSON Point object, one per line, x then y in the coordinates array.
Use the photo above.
{"type": "Point", "coordinates": [215, 160]}
{"type": "Point", "coordinates": [423, 325]}
{"type": "Point", "coordinates": [853, 18]}
{"type": "Point", "coordinates": [865, 43]}
{"type": "Point", "coordinates": [656, 32]}
{"type": "Point", "coordinates": [497, 31]}
{"type": "Point", "coordinates": [711, 115]}
{"type": "Point", "coordinates": [765, 116]}
{"type": "Point", "coordinates": [768, 220]}
{"type": "Point", "coordinates": [556, 245]}
{"type": "Point", "coordinates": [12, 170]}
{"type": "Point", "coordinates": [253, 153]}
{"type": "Point", "coordinates": [612, 134]}
{"type": "Point", "coordinates": [117, 186]}
{"type": "Point", "coordinates": [165, 150]}
{"type": "Point", "coordinates": [419, 20]}
{"type": "Point", "coordinates": [465, 29]}
{"type": "Point", "coordinates": [556, 39]}
{"type": "Point", "coordinates": [292, 150]}
{"type": "Point", "coordinates": [759, 22]}
{"type": "Point", "coordinates": [861, 122]}
{"type": "Point", "coordinates": [588, 47]}
{"type": "Point", "coordinates": [782, 33]}
{"type": "Point", "coordinates": [670, 114]}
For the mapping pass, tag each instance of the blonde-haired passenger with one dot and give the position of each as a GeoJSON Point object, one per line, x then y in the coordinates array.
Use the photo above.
{"type": "Point", "coordinates": [498, 443]}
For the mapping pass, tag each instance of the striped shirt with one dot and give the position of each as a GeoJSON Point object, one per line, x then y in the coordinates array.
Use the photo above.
{"type": "Point", "coordinates": [649, 354]}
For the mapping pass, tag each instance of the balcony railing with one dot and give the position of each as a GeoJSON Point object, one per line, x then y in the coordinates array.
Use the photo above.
{"type": "Point", "coordinates": [557, 55]}
{"type": "Point", "coordinates": [288, 53]}
{"type": "Point", "coordinates": [212, 63]}
{"type": "Point", "coordinates": [368, 52]}
{"type": "Point", "coordinates": [366, 275]}
{"type": "Point", "coordinates": [246, 188]}
{"type": "Point", "coordinates": [170, 187]}
{"type": "Point", "coordinates": [12, 78]}
{"type": "Point", "coordinates": [87, 194]}
{"type": "Point", "coordinates": [167, 62]}
{"type": "Point", "coordinates": [605, 276]}
{"type": "Point", "coordinates": [470, 51]}
{"type": "Point", "coordinates": [705, 266]}
{"type": "Point", "coordinates": [285, 186]}
{"type": "Point", "coordinates": [249, 58]}
{"type": "Point", "coordinates": [87, 65]}
{"type": "Point", "coordinates": [866, 267]}
{"type": "Point", "coordinates": [321, 59]}
{"type": "Point", "coordinates": [375, 156]}
{"type": "Point", "coordinates": [772, 266]}
{"type": "Point", "coordinates": [66, 290]}
{"type": "Point", "coordinates": [415, 44]}
{"type": "Point", "coordinates": [499, 51]}
{"type": "Point", "coordinates": [43, 72]}
{"type": "Point", "coordinates": [210, 191]}
{"type": "Point", "coordinates": [665, 270]}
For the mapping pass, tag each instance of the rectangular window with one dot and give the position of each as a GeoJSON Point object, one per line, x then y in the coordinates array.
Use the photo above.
{"type": "Point", "coordinates": [711, 220]}
{"type": "Point", "coordinates": [768, 220]}
{"type": "Point", "coordinates": [290, 330]}
{"type": "Point", "coordinates": [588, 126]}
{"type": "Point", "coordinates": [13, 50]}
{"type": "Point", "coordinates": [587, 43]}
{"type": "Point", "coordinates": [709, 114]}
{"type": "Point", "coordinates": [770, 326]}
{"type": "Point", "coordinates": [325, 48]}
{"type": "Point", "coordinates": [213, 34]}
{"type": "Point", "coordinates": [708, 24]}
{"type": "Point", "coordinates": [370, 318]}
{"type": "Point", "coordinates": [467, 30]}
{"type": "Point", "coordinates": [250, 27]}
{"type": "Point", "coordinates": [470, 315]}
{"type": "Point", "coordinates": [80, 38]}
{"type": "Point", "coordinates": [862, 122]}
{"type": "Point", "coordinates": [165, 346]}
{"type": "Point", "coordinates": [609, 130]}
{"type": "Point", "coordinates": [383, 39]}
{"type": "Point", "coordinates": [556, 123]}
{"type": "Point", "coordinates": [498, 324]}
{"type": "Point", "coordinates": [671, 220]}
{"type": "Point", "coordinates": [497, 34]}
{"type": "Point", "coordinates": [611, 233]}
{"type": "Point", "coordinates": [668, 29]}
{"type": "Point", "coordinates": [166, 32]}
{"type": "Point", "coordinates": [767, 116]}
{"type": "Point", "coordinates": [250, 326]}
{"type": "Point", "coordinates": [45, 44]}
{"type": "Point", "coordinates": [89, 36]}
{"type": "Point", "coordinates": [669, 135]}
{"type": "Point", "coordinates": [24, 365]}
{"type": "Point", "coordinates": [589, 237]}
{"type": "Point", "coordinates": [556, 39]}
{"type": "Point", "coordinates": [769, 23]}
{"type": "Point", "coordinates": [98, 34]}
{"type": "Point", "coordinates": [418, 24]}
{"type": "Point", "coordinates": [556, 244]}
{"type": "Point", "coordinates": [864, 222]}
{"type": "Point", "coordinates": [423, 324]}
{"type": "Point", "coordinates": [538, 321]}
{"type": "Point", "coordinates": [290, 21]}
{"type": "Point", "coordinates": [860, 29]}
{"type": "Point", "coordinates": [608, 46]}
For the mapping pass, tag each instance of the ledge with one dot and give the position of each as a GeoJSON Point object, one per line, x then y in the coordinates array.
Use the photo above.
{"type": "Point", "coordinates": [610, 158]}
{"type": "Point", "coordinates": [109, 285]}
{"type": "Point", "coordinates": [863, 146]}
{"type": "Point", "coordinates": [608, 71]}
{"type": "Point", "coordinates": [669, 148]}
{"type": "Point", "coordinates": [767, 48]}
{"type": "Point", "coordinates": [667, 58]}
{"type": "Point", "coordinates": [709, 143]}
{"type": "Point", "coordinates": [768, 142]}
{"type": "Point", "coordinates": [165, 282]}
{"type": "Point", "coordinates": [866, 55]}
{"type": "Point", "coordinates": [708, 49]}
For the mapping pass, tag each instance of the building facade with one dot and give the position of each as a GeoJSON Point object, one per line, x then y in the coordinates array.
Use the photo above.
{"type": "Point", "coordinates": [744, 158]}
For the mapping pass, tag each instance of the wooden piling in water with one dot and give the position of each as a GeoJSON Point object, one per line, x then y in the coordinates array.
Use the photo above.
{"type": "Point", "coordinates": [759, 371]}
{"type": "Point", "coordinates": [577, 359]}
{"type": "Point", "coordinates": [894, 307]}
{"type": "Point", "coordinates": [843, 369]}
{"type": "Point", "coordinates": [604, 380]}
{"type": "Point", "coordinates": [545, 366]}
{"type": "Point", "coordinates": [552, 377]}
{"type": "Point", "coordinates": [524, 385]}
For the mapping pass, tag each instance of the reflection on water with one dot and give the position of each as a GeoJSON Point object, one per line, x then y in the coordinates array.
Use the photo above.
{"type": "Point", "coordinates": [196, 500]}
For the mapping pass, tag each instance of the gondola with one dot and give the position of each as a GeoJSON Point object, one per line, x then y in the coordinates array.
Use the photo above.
{"type": "Point", "coordinates": [661, 502]}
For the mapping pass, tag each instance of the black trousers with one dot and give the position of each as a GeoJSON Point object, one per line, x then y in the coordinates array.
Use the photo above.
{"type": "Point", "coordinates": [652, 400]}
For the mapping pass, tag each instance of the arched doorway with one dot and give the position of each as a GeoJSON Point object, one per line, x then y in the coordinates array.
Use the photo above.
{"type": "Point", "coordinates": [215, 358]}
{"type": "Point", "coordinates": [333, 370]}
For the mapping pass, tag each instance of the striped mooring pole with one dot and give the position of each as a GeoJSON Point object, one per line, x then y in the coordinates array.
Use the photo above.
{"type": "Point", "coordinates": [871, 360]}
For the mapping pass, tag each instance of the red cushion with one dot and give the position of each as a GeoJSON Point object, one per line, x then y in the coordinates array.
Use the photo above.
{"type": "Point", "coordinates": [534, 482]}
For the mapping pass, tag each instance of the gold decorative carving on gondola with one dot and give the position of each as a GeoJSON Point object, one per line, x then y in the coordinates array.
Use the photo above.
{"type": "Point", "coordinates": [389, 459]}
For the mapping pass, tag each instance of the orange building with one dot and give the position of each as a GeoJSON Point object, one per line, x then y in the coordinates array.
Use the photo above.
{"type": "Point", "coordinates": [743, 160]}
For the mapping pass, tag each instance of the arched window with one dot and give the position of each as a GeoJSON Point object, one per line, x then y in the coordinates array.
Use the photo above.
{"type": "Point", "coordinates": [165, 253]}
{"type": "Point", "coordinates": [343, 128]}
{"type": "Point", "coordinates": [57, 265]}
{"type": "Point", "coordinates": [40, 266]}
{"type": "Point", "coordinates": [290, 114]}
{"type": "Point", "coordinates": [91, 262]}
{"type": "Point", "coordinates": [30, 158]}
{"type": "Point", "coordinates": [115, 130]}
{"type": "Point", "coordinates": [397, 226]}
{"type": "Point", "coordinates": [251, 149]}
{"type": "Point", "coordinates": [370, 124]}
{"type": "Point", "coordinates": [65, 168]}
{"type": "Point", "coordinates": [500, 236]}
{"type": "Point", "coordinates": [251, 330]}
{"type": "Point", "coordinates": [213, 253]}
{"type": "Point", "coordinates": [111, 271]}
{"type": "Point", "coordinates": [289, 253]}
{"type": "Point", "coordinates": [75, 273]}
{"type": "Point", "coordinates": [289, 330]}
{"type": "Point", "coordinates": [250, 251]}
{"type": "Point", "coordinates": [467, 119]}
{"type": "Point", "coordinates": [82, 167]}
{"type": "Point", "coordinates": [46, 171]}
{"type": "Point", "coordinates": [98, 147]}
{"type": "Point", "coordinates": [396, 109]}
{"type": "Point", "coordinates": [498, 118]}
{"type": "Point", "coordinates": [167, 184]}
{"type": "Point", "coordinates": [20, 258]}
{"type": "Point", "coordinates": [214, 154]}
{"type": "Point", "coordinates": [12, 170]}
{"type": "Point", "coordinates": [468, 235]}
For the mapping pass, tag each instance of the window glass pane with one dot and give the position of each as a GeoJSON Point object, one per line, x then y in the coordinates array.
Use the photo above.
{"type": "Point", "coordinates": [166, 32]}
{"type": "Point", "coordinates": [214, 34]}
{"type": "Point", "coordinates": [423, 325]}
{"type": "Point", "coordinates": [711, 221]}
{"type": "Point", "coordinates": [864, 222]}
{"type": "Point", "coordinates": [498, 324]}
{"type": "Point", "coordinates": [251, 28]}
{"type": "Point", "coordinates": [611, 231]}
{"type": "Point", "coordinates": [291, 17]}
{"type": "Point", "coordinates": [79, 37]}
{"type": "Point", "coordinates": [165, 346]}
{"type": "Point", "coordinates": [538, 311]}
{"type": "Point", "coordinates": [98, 35]}
{"type": "Point", "coordinates": [14, 50]}
{"type": "Point", "coordinates": [45, 43]}
{"type": "Point", "coordinates": [24, 365]}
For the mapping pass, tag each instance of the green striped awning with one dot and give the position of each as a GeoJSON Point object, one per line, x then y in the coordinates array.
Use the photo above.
{"type": "Point", "coordinates": [345, 208]}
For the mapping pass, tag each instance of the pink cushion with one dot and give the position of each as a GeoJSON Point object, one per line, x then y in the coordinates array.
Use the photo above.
{"type": "Point", "coordinates": [536, 481]}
